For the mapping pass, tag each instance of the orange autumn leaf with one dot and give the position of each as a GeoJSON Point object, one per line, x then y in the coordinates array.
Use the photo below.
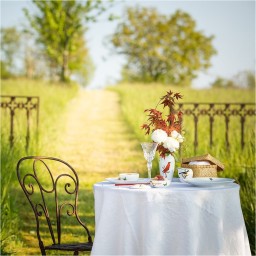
{"type": "Point", "coordinates": [172, 122]}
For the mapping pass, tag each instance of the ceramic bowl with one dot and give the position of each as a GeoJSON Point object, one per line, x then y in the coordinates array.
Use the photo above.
{"type": "Point", "coordinates": [132, 176]}
{"type": "Point", "coordinates": [159, 183]}
{"type": "Point", "coordinates": [185, 173]}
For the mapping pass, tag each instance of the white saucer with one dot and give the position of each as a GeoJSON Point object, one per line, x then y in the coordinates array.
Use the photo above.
{"type": "Point", "coordinates": [118, 181]}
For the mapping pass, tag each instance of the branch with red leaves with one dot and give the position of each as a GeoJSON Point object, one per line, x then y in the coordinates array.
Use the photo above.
{"type": "Point", "coordinates": [172, 122]}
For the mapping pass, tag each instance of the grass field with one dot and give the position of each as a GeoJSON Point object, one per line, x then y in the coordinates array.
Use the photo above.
{"type": "Point", "coordinates": [134, 99]}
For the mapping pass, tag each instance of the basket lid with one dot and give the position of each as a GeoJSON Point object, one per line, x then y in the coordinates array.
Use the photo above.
{"type": "Point", "coordinates": [207, 157]}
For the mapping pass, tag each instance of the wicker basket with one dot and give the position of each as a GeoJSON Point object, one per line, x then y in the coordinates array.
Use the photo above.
{"type": "Point", "coordinates": [202, 170]}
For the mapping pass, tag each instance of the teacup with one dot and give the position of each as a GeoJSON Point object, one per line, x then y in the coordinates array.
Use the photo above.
{"type": "Point", "coordinates": [159, 183]}
{"type": "Point", "coordinates": [132, 176]}
{"type": "Point", "coordinates": [185, 173]}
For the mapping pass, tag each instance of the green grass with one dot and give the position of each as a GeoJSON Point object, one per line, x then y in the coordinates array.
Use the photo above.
{"type": "Point", "coordinates": [136, 98]}
{"type": "Point", "coordinates": [17, 236]}
{"type": "Point", "coordinates": [239, 164]}
{"type": "Point", "coordinates": [53, 101]}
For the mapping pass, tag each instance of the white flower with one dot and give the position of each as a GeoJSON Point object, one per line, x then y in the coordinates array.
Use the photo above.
{"type": "Point", "coordinates": [171, 144]}
{"type": "Point", "coordinates": [177, 136]}
{"type": "Point", "coordinates": [180, 139]}
{"type": "Point", "coordinates": [159, 136]}
{"type": "Point", "coordinates": [174, 134]}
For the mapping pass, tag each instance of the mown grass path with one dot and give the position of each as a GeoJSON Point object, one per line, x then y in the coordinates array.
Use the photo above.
{"type": "Point", "coordinates": [97, 141]}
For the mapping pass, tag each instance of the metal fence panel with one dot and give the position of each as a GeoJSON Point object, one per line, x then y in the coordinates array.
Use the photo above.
{"type": "Point", "coordinates": [15, 104]}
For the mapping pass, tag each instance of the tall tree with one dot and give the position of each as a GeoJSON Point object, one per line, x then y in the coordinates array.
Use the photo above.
{"type": "Point", "coordinates": [10, 43]}
{"type": "Point", "coordinates": [162, 48]}
{"type": "Point", "coordinates": [34, 65]}
{"type": "Point", "coordinates": [60, 28]}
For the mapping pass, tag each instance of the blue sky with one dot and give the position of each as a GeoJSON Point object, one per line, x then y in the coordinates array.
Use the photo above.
{"type": "Point", "coordinates": [231, 22]}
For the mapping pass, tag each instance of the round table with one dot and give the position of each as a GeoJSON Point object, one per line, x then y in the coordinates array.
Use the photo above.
{"type": "Point", "coordinates": [178, 220]}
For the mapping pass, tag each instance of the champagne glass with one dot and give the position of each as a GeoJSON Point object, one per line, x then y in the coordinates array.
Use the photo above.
{"type": "Point", "coordinates": [149, 150]}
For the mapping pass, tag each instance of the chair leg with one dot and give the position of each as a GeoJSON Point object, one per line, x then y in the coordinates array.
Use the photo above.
{"type": "Point", "coordinates": [42, 249]}
{"type": "Point", "coordinates": [76, 252]}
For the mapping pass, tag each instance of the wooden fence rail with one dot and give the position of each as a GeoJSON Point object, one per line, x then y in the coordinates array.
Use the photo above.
{"type": "Point", "coordinates": [16, 103]}
{"type": "Point", "coordinates": [212, 110]}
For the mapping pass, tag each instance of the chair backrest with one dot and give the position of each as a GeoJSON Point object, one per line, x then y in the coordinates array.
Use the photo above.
{"type": "Point", "coordinates": [44, 180]}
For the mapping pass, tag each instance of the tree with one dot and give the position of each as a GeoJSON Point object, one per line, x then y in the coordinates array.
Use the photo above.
{"type": "Point", "coordinates": [245, 79]}
{"type": "Point", "coordinates": [161, 48]}
{"type": "Point", "coordinates": [251, 80]}
{"type": "Point", "coordinates": [34, 64]}
{"type": "Point", "coordinates": [10, 43]}
{"type": "Point", "coordinates": [5, 74]}
{"type": "Point", "coordinates": [60, 28]}
{"type": "Point", "coordinates": [223, 83]}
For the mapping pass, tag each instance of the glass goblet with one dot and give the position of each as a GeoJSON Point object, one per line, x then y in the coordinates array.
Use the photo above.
{"type": "Point", "coordinates": [149, 150]}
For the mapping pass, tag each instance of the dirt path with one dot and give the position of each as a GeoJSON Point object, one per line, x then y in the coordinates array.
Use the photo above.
{"type": "Point", "coordinates": [97, 140]}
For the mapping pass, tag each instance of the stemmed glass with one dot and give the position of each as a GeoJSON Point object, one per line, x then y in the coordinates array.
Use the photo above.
{"type": "Point", "coordinates": [149, 150]}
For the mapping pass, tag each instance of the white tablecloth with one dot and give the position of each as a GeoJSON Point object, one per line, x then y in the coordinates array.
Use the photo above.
{"type": "Point", "coordinates": [178, 220]}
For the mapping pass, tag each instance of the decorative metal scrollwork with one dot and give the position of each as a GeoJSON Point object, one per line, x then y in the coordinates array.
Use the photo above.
{"type": "Point", "coordinates": [15, 103]}
{"type": "Point", "coordinates": [69, 213]}
{"type": "Point", "coordinates": [212, 110]}
{"type": "Point", "coordinates": [33, 185]}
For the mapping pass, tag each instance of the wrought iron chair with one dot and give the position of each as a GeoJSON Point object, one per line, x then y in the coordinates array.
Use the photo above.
{"type": "Point", "coordinates": [43, 177]}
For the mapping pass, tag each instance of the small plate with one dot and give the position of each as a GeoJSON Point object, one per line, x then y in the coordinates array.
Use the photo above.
{"type": "Point", "coordinates": [129, 176]}
{"type": "Point", "coordinates": [209, 182]}
{"type": "Point", "coordinates": [140, 186]}
{"type": "Point", "coordinates": [118, 181]}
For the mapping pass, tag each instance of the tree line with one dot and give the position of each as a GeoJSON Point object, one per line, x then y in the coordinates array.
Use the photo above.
{"type": "Point", "coordinates": [53, 44]}
{"type": "Point", "coordinates": [167, 49]}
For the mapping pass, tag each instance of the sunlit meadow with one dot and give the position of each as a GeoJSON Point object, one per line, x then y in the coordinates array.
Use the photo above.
{"type": "Point", "coordinates": [17, 222]}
